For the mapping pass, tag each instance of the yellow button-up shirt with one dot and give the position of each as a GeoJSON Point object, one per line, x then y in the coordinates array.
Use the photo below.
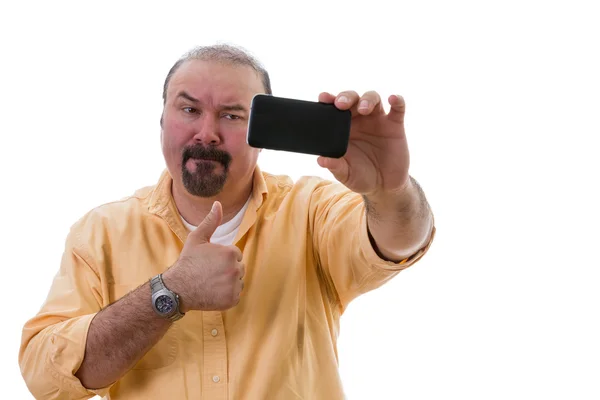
{"type": "Point", "coordinates": [307, 254]}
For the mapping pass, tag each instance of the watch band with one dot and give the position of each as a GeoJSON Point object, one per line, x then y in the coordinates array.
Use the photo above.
{"type": "Point", "coordinates": [157, 284]}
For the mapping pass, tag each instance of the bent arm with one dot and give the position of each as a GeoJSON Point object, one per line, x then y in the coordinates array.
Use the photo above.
{"type": "Point", "coordinates": [118, 338]}
{"type": "Point", "coordinates": [75, 349]}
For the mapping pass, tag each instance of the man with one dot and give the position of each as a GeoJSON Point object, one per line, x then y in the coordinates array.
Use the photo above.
{"type": "Point", "coordinates": [222, 281]}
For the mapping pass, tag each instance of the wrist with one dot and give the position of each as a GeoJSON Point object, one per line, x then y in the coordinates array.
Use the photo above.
{"type": "Point", "coordinates": [405, 192]}
{"type": "Point", "coordinates": [173, 283]}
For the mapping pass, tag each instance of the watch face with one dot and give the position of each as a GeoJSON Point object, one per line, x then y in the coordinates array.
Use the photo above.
{"type": "Point", "coordinates": [164, 304]}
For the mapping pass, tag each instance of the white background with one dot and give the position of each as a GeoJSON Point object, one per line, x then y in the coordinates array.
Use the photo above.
{"type": "Point", "coordinates": [503, 103]}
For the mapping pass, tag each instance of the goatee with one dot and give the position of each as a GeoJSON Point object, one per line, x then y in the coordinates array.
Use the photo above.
{"type": "Point", "coordinates": [204, 181]}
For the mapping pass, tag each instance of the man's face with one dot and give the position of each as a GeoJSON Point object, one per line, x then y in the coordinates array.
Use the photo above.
{"type": "Point", "coordinates": [204, 125]}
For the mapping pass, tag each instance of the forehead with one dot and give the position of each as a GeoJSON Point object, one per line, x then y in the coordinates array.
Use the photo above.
{"type": "Point", "coordinates": [212, 81]}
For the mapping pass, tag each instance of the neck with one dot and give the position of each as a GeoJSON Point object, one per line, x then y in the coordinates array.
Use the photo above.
{"type": "Point", "coordinates": [194, 209]}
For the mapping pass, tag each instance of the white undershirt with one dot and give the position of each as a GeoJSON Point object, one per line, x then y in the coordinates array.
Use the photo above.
{"type": "Point", "coordinates": [225, 233]}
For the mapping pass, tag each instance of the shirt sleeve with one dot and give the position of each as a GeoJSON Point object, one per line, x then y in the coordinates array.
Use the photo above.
{"type": "Point", "coordinates": [343, 248]}
{"type": "Point", "coordinates": [53, 342]}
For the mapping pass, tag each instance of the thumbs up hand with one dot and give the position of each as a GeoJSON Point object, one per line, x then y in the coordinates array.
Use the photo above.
{"type": "Point", "coordinates": [207, 276]}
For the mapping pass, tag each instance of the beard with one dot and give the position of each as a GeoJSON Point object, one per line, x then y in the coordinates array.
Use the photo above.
{"type": "Point", "coordinates": [204, 180]}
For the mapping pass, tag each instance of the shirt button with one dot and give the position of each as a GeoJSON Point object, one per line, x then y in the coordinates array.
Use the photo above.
{"type": "Point", "coordinates": [216, 379]}
{"type": "Point", "coordinates": [214, 332]}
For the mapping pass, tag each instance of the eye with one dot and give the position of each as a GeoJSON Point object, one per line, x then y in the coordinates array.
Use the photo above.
{"type": "Point", "coordinates": [232, 117]}
{"type": "Point", "coordinates": [189, 110]}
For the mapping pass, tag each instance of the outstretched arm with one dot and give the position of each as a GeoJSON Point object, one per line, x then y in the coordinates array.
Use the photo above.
{"type": "Point", "coordinates": [400, 223]}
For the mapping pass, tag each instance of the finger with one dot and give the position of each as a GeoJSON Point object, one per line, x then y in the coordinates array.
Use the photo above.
{"type": "Point", "coordinates": [238, 253]}
{"type": "Point", "coordinates": [326, 97]}
{"type": "Point", "coordinates": [239, 285]}
{"type": "Point", "coordinates": [347, 100]}
{"type": "Point", "coordinates": [368, 102]}
{"type": "Point", "coordinates": [398, 108]}
{"type": "Point", "coordinates": [337, 166]}
{"type": "Point", "coordinates": [242, 270]}
{"type": "Point", "coordinates": [210, 223]}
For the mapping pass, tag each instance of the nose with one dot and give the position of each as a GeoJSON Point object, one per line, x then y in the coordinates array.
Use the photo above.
{"type": "Point", "coordinates": [207, 131]}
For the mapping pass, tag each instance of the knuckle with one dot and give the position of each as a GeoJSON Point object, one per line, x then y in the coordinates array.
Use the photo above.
{"type": "Point", "coordinates": [232, 253]}
{"type": "Point", "coordinates": [349, 93]}
{"type": "Point", "coordinates": [371, 96]}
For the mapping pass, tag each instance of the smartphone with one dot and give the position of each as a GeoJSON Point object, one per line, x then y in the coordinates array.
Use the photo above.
{"type": "Point", "coordinates": [298, 126]}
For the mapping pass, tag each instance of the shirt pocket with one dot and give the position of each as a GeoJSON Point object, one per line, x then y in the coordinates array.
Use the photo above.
{"type": "Point", "coordinates": [165, 351]}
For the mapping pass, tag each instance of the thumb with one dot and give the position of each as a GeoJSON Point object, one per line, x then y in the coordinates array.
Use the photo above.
{"type": "Point", "coordinates": [210, 223]}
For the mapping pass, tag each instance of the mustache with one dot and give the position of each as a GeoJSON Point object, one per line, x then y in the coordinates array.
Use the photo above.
{"type": "Point", "coordinates": [206, 153]}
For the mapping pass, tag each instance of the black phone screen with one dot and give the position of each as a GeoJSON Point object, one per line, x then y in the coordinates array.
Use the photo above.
{"type": "Point", "coordinates": [298, 126]}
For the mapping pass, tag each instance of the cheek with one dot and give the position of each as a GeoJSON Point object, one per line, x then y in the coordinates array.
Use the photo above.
{"type": "Point", "coordinates": [174, 130]}
{"type": "Point", "coordinates": [237, 145]}
{"type": "Point", "coordinates": [244, 160]}
{"type": "Point", "coordinates": [173, 138]}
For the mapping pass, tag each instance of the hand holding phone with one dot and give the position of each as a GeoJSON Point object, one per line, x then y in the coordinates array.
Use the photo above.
{"type": "Point", "coordinates": [298, 126]}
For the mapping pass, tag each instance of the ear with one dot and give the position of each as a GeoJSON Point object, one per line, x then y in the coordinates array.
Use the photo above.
{"type": "Point", "coordinates": [161, 126]}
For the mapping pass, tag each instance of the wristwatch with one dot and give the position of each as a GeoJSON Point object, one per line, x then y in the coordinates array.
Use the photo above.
{"type": "Point", "coordinates": [164, 301]}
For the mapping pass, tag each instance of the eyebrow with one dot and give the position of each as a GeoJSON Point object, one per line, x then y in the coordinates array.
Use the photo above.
{"type": "Point", "coordinates": [228, 107]}
{"type": "Point", "coordinates": [186, 96]}
{"type": "Point", "coordinates": [234, 107]}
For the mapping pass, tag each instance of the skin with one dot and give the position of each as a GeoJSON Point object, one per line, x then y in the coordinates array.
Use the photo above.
{"type": "Point", "coordinates": [208, 122]}
{"type": "Point", "coordinates": [213, 113]}
{"type": "Point", "coordinates": [376, 166]}
{"type": "Point", "coordinates": [207, 107]}
{"type": "Point", "coordinates": [207, 276]}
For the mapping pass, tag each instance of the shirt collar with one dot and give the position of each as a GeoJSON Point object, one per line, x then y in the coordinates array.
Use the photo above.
{"type": "Point", "coordinates": [161, 200]}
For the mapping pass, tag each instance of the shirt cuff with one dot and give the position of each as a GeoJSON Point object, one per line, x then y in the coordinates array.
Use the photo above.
{"type": "Point", "coordinates": [66, 356]}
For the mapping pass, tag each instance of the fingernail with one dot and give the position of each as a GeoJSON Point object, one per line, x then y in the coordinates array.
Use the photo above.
{"type": "Point", "coordinates": [214, 207]}
{"type": "Point", "coordinates": [363, 105]}
{"type": "Point", "coordinates": [343, 99]}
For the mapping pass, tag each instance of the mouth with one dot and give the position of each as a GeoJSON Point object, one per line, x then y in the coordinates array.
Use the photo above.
{"type": "Point", "coordinates": [203, 159]}
{"type": "Point", "coordinates": [202, 164]}
{"type": "Point", "coordinates": [211, 159]}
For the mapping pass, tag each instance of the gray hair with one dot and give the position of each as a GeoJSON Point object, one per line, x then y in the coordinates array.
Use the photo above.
{"type": "Point", "coordinates": [234, 55]}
